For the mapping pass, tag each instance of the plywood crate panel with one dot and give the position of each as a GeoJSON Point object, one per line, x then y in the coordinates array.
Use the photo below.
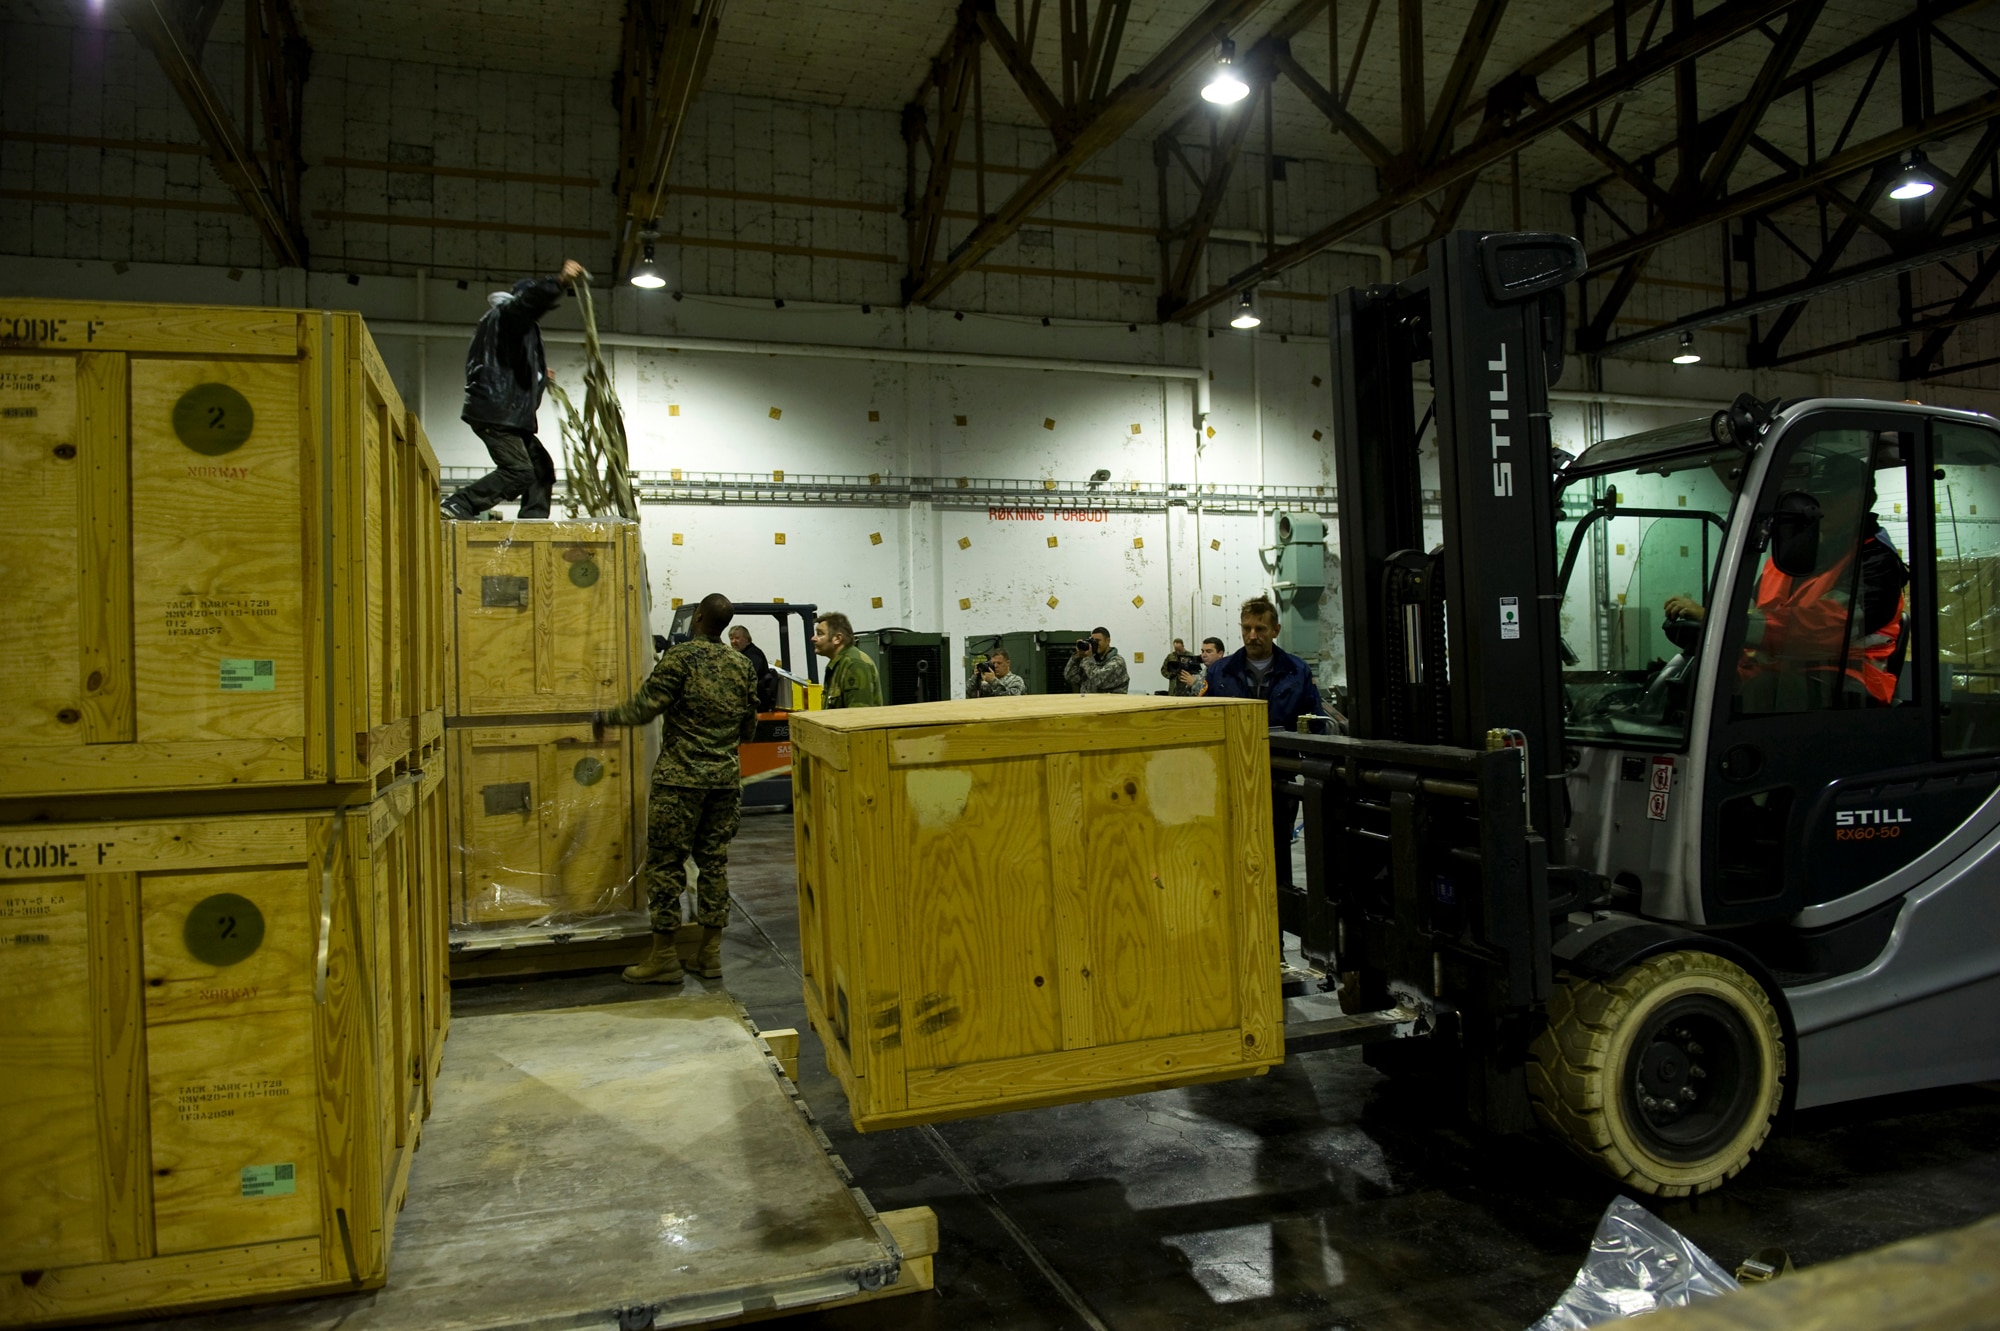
{"type": "Point", "coordinates": [549, 617]}
{"type": "Point", "coordinates": [548, 821]}
{"type": "Point", "coordinates": [202, 1095]}
{"type": "Point", "coordinates": [426, 560]}
{"type": "Point", "coordinates": [1030, 901]}
{"type": "Point", "coordinates": [206, 564]}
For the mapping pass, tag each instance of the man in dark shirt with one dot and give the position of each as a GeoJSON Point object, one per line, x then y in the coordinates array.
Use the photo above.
{"type": "Point", "coordinates": [767, 679]}
{"type": "Point", "coordinates": [504, 376]}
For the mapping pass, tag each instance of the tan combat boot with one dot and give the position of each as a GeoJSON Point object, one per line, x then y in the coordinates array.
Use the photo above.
{"type": "Point", "coordinates": [708, 962]}
{"type": "Point", "coordinates": [661, 966]}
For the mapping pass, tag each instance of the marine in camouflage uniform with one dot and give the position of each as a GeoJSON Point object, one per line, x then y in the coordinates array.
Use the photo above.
{"type": "Point", "coordinates": [1091, 673]}
{"type": "Point", "coordinates": [708, 694]}
{"type": "Point", "coordinates": [852, 680]}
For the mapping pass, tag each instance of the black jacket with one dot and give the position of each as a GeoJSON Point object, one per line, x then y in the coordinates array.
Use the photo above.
{"type": "Point", "coordinates": [504, 369]}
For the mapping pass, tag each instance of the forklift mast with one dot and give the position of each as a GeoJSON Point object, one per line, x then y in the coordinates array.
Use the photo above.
{"type": "Point", "coordinates": [1448, 645]}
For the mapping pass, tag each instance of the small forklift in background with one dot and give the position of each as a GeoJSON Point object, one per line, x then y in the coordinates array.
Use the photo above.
{"type": "Point", "coordinates": [1646, 880]}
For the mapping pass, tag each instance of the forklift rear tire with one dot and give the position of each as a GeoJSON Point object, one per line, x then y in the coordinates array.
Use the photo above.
{"type": "Point", "coordinates": [1667, 1077]}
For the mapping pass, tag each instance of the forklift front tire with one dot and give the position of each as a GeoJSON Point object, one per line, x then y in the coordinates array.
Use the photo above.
{"type": "Point", "coordinates": [1666, 1077]}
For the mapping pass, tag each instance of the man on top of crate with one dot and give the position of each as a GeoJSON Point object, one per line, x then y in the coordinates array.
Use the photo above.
{"type": "Point", "coordinates": [851, 677]}
{"type": "Point", "coordinates": [504, 376]}
{"type": "Point", "coordinates": [708, 693]}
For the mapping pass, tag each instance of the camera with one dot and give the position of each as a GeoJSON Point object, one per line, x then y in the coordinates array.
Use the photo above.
{"type": "Point", "coordinates": [983, 668]}
{"type": "Point", "coordinates": [1085, 645]}
{"type": "Point", "coordinates": [1180, 661]}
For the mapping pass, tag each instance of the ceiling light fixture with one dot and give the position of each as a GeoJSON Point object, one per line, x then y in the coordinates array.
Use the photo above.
{"type": "Point", "coordinates": [1914, 182]}
{"type": "Point", "coordinates": [1223, 87]}
{"type": "Point", "coordinates": [1687, 355]}
{"type": "Point", "coordinates": [1246, 313]}
{"type": "Point", "coordinates": [647, 275]}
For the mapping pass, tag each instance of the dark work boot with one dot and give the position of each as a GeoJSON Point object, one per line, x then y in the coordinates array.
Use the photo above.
{"type": "Point", "coordinates": [707, 963]}
{"type": "Point", "coordinates": [661, 966]}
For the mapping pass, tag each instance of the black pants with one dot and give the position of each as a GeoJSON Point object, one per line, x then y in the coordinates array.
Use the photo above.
{"type": "Point", "coordinates": [522, 469]}
{"type": "Point", "coordinates": [1284, 812]}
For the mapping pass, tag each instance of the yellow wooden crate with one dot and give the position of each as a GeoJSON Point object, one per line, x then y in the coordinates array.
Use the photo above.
{"type": "Point", "coordinates": [208, 1095]}
{"type": "Point", "coordinates": [548, 823]}
{"type": "Point", "coordinates": [206, 564]}
{"type": "Point", "coordinates": [432, 849]}
{"type": "Point", "coordinates": [426, 561]}
{"type": "Point", "coordinates": [1031, 901]}
{"type": "Point", "coordinates": [549, 617]}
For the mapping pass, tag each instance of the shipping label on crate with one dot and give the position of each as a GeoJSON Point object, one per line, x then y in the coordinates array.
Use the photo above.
{"type": "Point", "coordinates": [245, 676]}
{"type": "Point", "coordinates": [269, 1180]}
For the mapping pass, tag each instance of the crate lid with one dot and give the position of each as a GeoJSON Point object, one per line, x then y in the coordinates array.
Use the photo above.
{"type": "Point", "coordinates": [959, 711]}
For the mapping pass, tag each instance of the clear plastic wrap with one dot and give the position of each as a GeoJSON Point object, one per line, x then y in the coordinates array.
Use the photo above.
{"type": "Point", "coordinates": [1637, 1263]}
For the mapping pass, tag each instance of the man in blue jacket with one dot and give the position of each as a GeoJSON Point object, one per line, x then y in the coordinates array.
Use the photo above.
{"type": "Point", "coordinates": [504, 375]}
{"type": "Point", "coordinates": [1261, 669]}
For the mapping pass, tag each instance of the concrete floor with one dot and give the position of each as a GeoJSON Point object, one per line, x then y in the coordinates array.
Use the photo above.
{"type": "Point", "coordinates": [1319, 1196]}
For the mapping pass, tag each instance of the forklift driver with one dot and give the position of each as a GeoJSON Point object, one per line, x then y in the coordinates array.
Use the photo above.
{"type": "Point", "coordinates": [1799, 639]}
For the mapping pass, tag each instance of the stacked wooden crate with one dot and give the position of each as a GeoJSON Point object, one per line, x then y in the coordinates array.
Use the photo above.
{"type": "Point", "coordinates": [550, 624]}
{"type": "Point", "coordinates": [1017, 902]}
{"type": "Point", "coordinates": [222, 919]}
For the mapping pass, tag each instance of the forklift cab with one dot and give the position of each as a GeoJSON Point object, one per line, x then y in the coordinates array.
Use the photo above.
{"type": "Point", "coordinates": [1823, 713]}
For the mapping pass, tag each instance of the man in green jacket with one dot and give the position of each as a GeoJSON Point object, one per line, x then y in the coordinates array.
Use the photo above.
{"type": "Point", "coordinates": [708, 693]}
{"type": "Point", "coordinates": [851, 680]}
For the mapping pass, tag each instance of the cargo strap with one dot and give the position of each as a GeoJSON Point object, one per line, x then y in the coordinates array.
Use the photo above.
{"type": "Point", "coordinates": [597, 468]}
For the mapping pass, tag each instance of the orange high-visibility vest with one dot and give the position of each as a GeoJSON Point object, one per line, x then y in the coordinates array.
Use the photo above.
{"type": "Point", "coordinates": [1805, 625]}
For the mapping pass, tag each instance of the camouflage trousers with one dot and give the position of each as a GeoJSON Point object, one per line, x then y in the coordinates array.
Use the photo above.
{"type": "Point", "coordinates": [683, 822]}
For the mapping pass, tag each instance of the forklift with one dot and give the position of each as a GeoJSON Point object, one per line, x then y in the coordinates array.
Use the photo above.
{"type": "Point", "coordinates": [1668, 802]}
{"type": "Point", "coordinates": [766, 761]}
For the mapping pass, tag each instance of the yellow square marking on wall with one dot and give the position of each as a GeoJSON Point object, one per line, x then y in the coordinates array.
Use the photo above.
{"type": "Point", "coordinates": [775, 413]}
{"type": "Point", "coordinates": [1684, 552]}
{"type": "Point", "coordinates": [1138, 543]}
{"type": "Point", "coordinates": [1211, 430]}
{"type": "Point", "coordinates": [676, 605]}
{"type": "Point", "coordinates": [677, 538]}
{"type": "Point", "coordinates": [1315, 381]}
{"type": "Point", "coordinates": [1317, 436]}
{"type": "Point", "coordinates": [874, 478]}
{"type": "Point", "coordinates": [1135, 485]}
{"type": "Point", "coordinates": [958, 420]}
{"type": "Point", "coordinates": [1135, 427]}
{"type": "Point", "coordinates": [874, 538]}
{"type": "Point", "coordinates": [1683, 500]}
{"type": "Point", "coordinates": [874, 603]}
{"type": "Point", "coordinates": [777, 600]}
{"type": "Point", "coordinates": [1621, 598]}
{"type": "Point", "coordinates": [874, 415]}
{"type": "Point", "coordinates": [673, 408]}
{"type": "Point", "coordinates": [778, 539]}
{"type": "Point", "coordinates": [675, 473]}
{"type": "Point", "coordinates": [1048, 485]}
{"type": "Point", "coordinates": [962, 482]}
{"type": "Point", "coordinates": [1048, 422]}
{"type": "Point", "coordinates": [1052, 542]}
{"type": "Point", "coordinates": [965, 603]}
{"type": "Point", "coordinates": [1620, 548]}
{"type": "Point", "coordinates": [1215, 600]}
{"type": "Point", "coordinates": [965, 542]}
{"type": "Point", "coordinates": [1215, 545]}
{"type": "Point", "coordinates": [1053, 603]}
{"type": "Point", "coordinates": [1138, 658]}
{"type": "Point", "coordinates": [1138, 601]}
{"type": "Point", "coordinates": [1898, 508]}
{"type": "Point", "coordinates": [777, 475]}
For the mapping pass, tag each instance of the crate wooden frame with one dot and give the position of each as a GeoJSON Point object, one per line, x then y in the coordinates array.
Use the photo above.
{"type": "Point", "coordinates": [346, 962]}
{"type": "Point", "coordinates": [618, 635]}
{"type": "Point", "coordinates": [358, 501]}
{"type": "Point", "coordinates": [1085, 923]}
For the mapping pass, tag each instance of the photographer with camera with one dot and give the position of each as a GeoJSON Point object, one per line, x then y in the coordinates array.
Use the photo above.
{"type": "Point", "coordinates": [995, 678]}
{"type": "Point", "coordinates": [1185, 672]}
{"type": "Point", "coordinates": [1097, 667]}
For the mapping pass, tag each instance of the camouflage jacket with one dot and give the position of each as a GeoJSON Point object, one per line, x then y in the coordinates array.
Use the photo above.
{"type": "Point", "coordinates": [708, 693]}
{"type": "Point", "coordinates": [1093, 674]}
{"type": "Point", "coordinates": [1008, 685]}
{"type": "Point", "coordinates": [851, 680]}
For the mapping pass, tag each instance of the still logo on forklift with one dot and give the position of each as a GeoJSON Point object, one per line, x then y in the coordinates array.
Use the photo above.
{"type": "Point", "coordinates": [1503, 470]}
{"type": "Point", "coordinates": [1869, 824]}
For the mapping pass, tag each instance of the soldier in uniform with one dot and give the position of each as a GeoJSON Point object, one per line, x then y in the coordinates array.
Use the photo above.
{"type": "Point", "coordinates": [995, 678]}
{"type": "Point", "coordinates": [708, 694]}
{"type": "Point", "coordinates": [851, 679]}
{"type": "Point", "coordinates": [1097, 667]}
